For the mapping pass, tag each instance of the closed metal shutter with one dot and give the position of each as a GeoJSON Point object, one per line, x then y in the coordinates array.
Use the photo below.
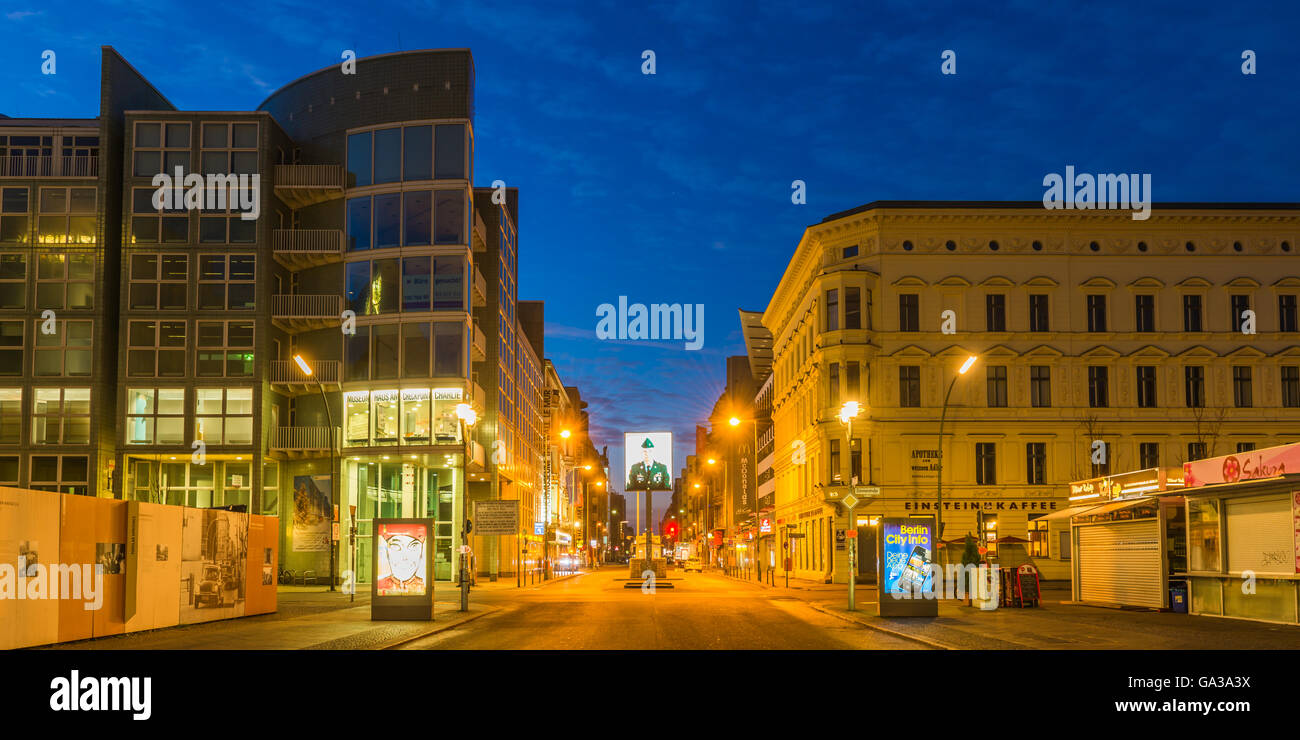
{"type": "Point", "coordinates": [1260, 536]}
{"type": "Point", "coordinates": [1120, 564]}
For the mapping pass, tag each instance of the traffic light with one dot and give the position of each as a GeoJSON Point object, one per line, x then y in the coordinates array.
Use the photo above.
{"type": "Point", "coordinates": [671, 530]}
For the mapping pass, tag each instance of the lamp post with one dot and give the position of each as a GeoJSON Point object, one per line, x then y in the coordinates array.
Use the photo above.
{"type": "Point", "coordinates": [467, 416]}
{"type": "Point", "coordinates": [939, 471]}
{"type": "Point", "coordinates": [848, 412]}
{"type": "Point", "coordinates": [334, 492]}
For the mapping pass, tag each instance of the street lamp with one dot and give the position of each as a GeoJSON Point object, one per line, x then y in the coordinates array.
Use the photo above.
{"type": "Point", "coordinates": [467, 417]}
{"type": "Point", "coordinates": [848, 412]}
{"type": "Point", "coordinates": [939, 477]}
{"type": "Point", "coordinates": [334, 492]}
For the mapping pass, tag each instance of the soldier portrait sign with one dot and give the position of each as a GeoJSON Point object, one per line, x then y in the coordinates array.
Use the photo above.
{"type": "Point", "coordinates": [648, 460]}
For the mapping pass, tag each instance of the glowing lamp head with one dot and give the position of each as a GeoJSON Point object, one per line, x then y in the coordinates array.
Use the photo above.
{"type": "Point", "coordinates": [735, 422]}
{"type": "Point", "coordinates": [849, 410]}
{"type": "Point", "coordinates": [712, 461]}
{"type": "Point", "coordinates": [966, 365]}
{"type": "Point", "coordinates": [302, 365]}
{"type": "Point", "coordinates": [466, 413]}
{"type": "Point", "coordinates": [564, 433]}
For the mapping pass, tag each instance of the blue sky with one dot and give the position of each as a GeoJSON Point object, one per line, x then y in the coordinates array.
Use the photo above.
{"type": "Point", "coordinates": [676, 187]}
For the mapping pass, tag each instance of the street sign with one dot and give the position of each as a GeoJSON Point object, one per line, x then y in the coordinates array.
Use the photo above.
{"type": "Point", "coordinates": [866, 491]}
{"type": "Point", "coordinates": [496, 517]}
{"type": "Point", "coordinates": [796, 535]}
{"type": "Point", "coordinates": [539, 528]}
{"type": "Point", "coordinates": [850, 501]}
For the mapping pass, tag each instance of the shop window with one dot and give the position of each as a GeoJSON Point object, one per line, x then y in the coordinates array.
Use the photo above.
{"type": "Point", "coordinates": [155, 416]}
{"type": "Point", "coordinates": [1203, 548]}
{"type": "Point", "coordinates": [991, 536]}
{"type": "Point", "coordinates": [417, 409]}
{"type": "Point", "coordinates": [60, 416]}
{"type": "Point", "coordinates": [1039, 544]}
{"type": "Point", "coordinates": [66, 351]}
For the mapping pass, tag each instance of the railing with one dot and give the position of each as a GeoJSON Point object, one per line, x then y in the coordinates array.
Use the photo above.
{"type": "Point", "coordinates": [480, 341]}
{"type": "Point", "coordinates": [305, 438]}
{"type": "Point", "coordinates": [480, 284]}
{"type": "Point", "coordinates": [306, 306]}
{"type": "Point", "coordinates": [48, 166]}
{"type": "Point", "coordinates": [287, 371]}
{"type": "Point", "coordinates": [308, 176]}
{"type": "Point", "coordinates": [480, 230]}
{"type": "Point", "coordinates": [327, 241]}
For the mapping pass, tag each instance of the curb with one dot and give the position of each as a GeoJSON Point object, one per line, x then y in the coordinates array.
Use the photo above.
{"type": "Point", "coordinates": [443, 628]}
{"type": "Point", "coordinates": [878, 628]}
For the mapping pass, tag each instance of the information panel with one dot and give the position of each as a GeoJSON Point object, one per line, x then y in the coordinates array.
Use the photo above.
{"type": "Point", "coordinates": [906, 578]}
{"type": "Point", "coordinates": [403, 556]}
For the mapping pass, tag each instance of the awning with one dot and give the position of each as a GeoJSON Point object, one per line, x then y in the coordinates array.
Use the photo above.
{"type": "Point", "coordinates": [1066, 513]}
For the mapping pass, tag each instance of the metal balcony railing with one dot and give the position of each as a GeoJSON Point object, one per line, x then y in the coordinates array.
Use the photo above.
{"type": "Point", "coordinates": [309, 176]}
{"type": "Point", "coordinates": [304, 439]}
{"type": "Point", "coordinates": [480, 288]}
{"type": "Point", "coordinates": [48, 166]}
{"type": "Point", "coordinates": [308, 241]}
{"type": "Point", "coordinates": [480, 343]}
{"type": "Point", "coordinates": [288, 372]}
{"type": "Point", "coordinates": [306, 306]}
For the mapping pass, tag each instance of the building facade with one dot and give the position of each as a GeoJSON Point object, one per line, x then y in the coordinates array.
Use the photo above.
{"type": "Point", "coordinates": [302, 331]}
{"type": "Point", "coordinates": [1101, 343]}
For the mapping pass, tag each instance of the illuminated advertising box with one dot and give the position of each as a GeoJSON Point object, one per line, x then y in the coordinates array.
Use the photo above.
{"type": "Point", "coordinates": [648, 460]}
{"type": "Point", "coordinates": [906, 551]}
{"type": "Point", "coordinates": [402, 551]}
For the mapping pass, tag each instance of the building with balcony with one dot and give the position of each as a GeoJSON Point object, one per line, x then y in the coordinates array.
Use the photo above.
{"type": "Point", "coordinates": [1150, 342]}
{"type": "Point", "coordinates": [334, 338]}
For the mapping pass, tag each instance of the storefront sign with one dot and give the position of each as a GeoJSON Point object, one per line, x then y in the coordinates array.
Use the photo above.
{"type": "Point", "coordinates": [925, 464]}
{"type": "Point", "coordinates": [1266, 463]}
{"type": "Point", "coordinates": [1000, 505]}
{"type": "Point", "coordinates": [907, 584]}
{"type": "Point", "coordinates": [765, 525]}
{"type": "Point", "coordinates": [1126, 485]}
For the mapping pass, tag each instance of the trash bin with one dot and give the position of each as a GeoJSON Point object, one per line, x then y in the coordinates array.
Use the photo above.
{"type": "Point", "coordinates": [1178, 597]}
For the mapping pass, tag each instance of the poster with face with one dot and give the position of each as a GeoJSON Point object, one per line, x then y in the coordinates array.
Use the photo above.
{"type": "Point", "coordinates": [400, 569]}
{"type": "Point", "coordinates": [648, 461]}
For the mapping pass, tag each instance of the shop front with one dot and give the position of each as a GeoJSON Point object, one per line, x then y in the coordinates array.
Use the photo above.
{"type": "Point", "coordinates": [1129, 538]}
{"type": "Point", "coordinates": [1243, 524]}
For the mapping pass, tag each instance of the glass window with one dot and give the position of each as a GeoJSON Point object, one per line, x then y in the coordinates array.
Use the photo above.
{"type": "Point", "coordinates": [388, 220]}
{"type": "Point", "coordinates": [357, 354]}
{"type": "Point", "coordinates": [449, 283]}
{"type": "Point", "coordinates": [11, 347]}
{"type": "Point", "coordinates": [66, 351]}
{"type": "Point", "coordinates": [11, 416]}
{"type": "Point", "coordinates": [357, 418]}
{"type": "Point", "coordinates": [417, 153]}
{"type": "Point", "coordinates": [358, 223]}
{"type": "Point", "coordinates": [448, 349]}
{"type": "Point", "coordinates": [1040, 386]}
{"type": "Point", "coordinates": [416, 347]}
{"type": "Point", "coordinates": [385, 417]}
{"type": "Point", "coordinates": [985, 464]}
{"type": "Point", "coordinates": [853, 307]}
{"type": "Point", "coordinates": [61, 416]}
{"type": "Point", "coordinates": [359, 160]}
{"type": "Point", "coordinates": [997, 385]}
{"type": "Point", "coordinates": [1203, 535]}
{"type": "Point", "coordinates": [908, 312]}
{"type": "Point", "coordinates": [385, 286]}
{"type": "Point", "coordinates": [358, 287]}
{"type": "Point", "coordinates": [416, 411]}
{"type": "Point", "coordinates": [418, 218]}
{"type": "Point", "coordinates": [388, 155]}
{"type": "Point", "coordinates": [450, 219]}
{"type": "Point", "coordinates": [1096, 313]}
{"type": "Point", "coordinates": [13, 280]}
{"type": "Point", "coordinates": [449, 157]}
{"type": "Point", "coordinates": [385, 351]}
{"type": "Point", "coordinates": [415, 283]}
{"type": "Point", "coordinates": [223, 416]}
{"type": "Point", "coordinates": [909, 386]}
{"type": "Point", "coordinates": [155, 416]}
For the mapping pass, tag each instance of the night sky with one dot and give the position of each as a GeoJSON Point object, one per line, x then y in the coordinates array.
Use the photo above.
{"type": "Point", "coordinates": [675, 187]}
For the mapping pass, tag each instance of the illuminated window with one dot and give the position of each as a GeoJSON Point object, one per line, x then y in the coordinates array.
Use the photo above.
{"type": "Point", "coordinates": [155, 416]}
{"type": "Point", "coordinates": [60, 416]}
{"type": "Point", "coordinates": [223, 416]}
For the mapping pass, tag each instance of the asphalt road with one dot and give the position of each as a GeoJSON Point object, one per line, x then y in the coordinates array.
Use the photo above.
{"type": "Point", "coordinates": [703, 611]}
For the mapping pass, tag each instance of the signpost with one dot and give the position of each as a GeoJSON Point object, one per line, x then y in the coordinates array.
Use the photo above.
{"type": "Point", "coordinates": [849, 498]}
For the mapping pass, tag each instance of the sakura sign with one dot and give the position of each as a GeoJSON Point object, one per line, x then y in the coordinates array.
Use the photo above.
{"type": "Point", "coordinates": [1242, 466]}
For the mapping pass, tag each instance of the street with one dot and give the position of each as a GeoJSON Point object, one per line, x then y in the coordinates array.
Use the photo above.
{"type": "Point", "coordinates": [702, 611]}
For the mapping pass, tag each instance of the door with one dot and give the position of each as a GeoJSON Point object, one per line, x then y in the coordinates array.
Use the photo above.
{"type": "Point", "coordinates": [1120, 563]}
{"type": "Point", "coordinates": [867, 554]}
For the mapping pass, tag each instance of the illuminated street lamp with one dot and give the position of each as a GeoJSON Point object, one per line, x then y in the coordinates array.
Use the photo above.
{"type": "Point", "coordinates": [848, 412]}
{"type": "Point", "coordinates": [938, 491]}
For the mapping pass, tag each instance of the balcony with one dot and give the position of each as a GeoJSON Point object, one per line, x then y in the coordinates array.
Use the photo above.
{"type": "Point", "coordinates": [300, 248]}
{"type": "Point", "coordinates": [479, 399]}
{"type": "Point", "coordinates": [478, 238]}
{"type": "Point", "coordinates": [479, 298]}
{"type": "Point", "coordinates": [305, 441]}
{"type": "Point", "coordinates": [289, 379]}
{"type": "Point", "coordinates": [295, 313]}
{"type": "Point", "coordinates": [301, 185]}
{"type": "Point", "coordinates": [476, 460]}
{"type": "Point", "coordinates": [49, 166]}
{"type": "Point", "coordinates": [479, 345]}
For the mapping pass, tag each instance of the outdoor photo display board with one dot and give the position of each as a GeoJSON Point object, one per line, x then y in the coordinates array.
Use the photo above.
{"type": "Point", "coordinates": [402, 551]}
{"type": "Point", "coordinates": [648, 461]}
{"type": "Point", "coordinates": [906, 551]}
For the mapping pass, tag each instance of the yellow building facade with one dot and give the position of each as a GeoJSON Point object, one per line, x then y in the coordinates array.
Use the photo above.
{"type": "Point", "coordinates": [1151, 342]}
